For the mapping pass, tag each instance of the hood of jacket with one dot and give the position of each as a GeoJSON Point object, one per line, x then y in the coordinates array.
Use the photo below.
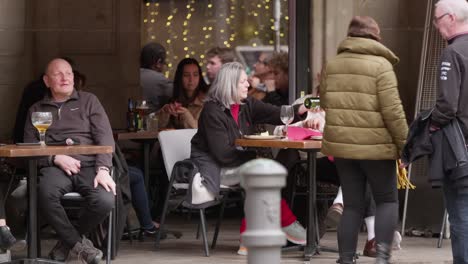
{"type": "Point", "coordinates": [368, 47]}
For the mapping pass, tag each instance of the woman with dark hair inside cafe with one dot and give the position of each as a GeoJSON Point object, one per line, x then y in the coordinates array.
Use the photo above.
{"type": "Point", "coordinates": [187, 101]}
{"type": "Point", "coordinates": [227, 115]}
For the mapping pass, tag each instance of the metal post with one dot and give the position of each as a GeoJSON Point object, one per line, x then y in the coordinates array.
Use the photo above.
{"type": "Point", "coordinates": [262, 180]}
{"type": "Point", "coordinates": [277, 17]}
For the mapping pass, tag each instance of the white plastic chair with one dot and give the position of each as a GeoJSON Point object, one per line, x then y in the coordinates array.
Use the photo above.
{"type": "Point", "coordinates": [176, 147]}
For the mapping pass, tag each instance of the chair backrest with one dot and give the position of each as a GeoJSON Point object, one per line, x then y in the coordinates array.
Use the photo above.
{"type": "Point", "coordinates": [175, 146]}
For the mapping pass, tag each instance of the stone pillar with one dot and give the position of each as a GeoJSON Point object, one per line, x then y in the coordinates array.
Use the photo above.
{"type": "Point", "coordinates": [262, 180]}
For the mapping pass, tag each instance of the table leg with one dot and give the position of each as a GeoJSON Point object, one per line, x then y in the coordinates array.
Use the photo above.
{"type": "Point", "coordinates": [32, 206]}
{"type": "Point", "coordinates": [146, 153]}
{"type": "Point", "coordinates": [311, 245]}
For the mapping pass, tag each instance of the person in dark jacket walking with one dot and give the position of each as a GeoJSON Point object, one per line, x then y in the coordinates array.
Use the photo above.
{"type": "Point", "coordinates": [451, 20]}
{"type": "Point", "coordinates": [227, 115]}
{"type": "Point", "coordinates": [78, 116]}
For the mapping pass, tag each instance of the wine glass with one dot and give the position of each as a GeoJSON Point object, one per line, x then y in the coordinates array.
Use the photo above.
{"type": "Point", "coordinates": [287, 115]}
{"type": "Point", "coordinates": [41, 121]}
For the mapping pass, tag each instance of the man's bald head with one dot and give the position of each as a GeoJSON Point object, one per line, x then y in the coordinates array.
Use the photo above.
{"type": "Point", "coordinates": [58, 78]}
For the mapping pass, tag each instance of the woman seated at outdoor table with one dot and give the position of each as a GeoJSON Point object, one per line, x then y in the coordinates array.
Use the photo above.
{"type": "Point", "coordinates": [187, 101]}
{"type": "Point", "coordinates": [227, 115]}
{"type": "Point", "coordinates": [183, 112]}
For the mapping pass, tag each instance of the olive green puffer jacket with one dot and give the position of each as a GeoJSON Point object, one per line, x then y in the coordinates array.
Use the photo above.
{"type": "Point", "coordinates": [365, 119]}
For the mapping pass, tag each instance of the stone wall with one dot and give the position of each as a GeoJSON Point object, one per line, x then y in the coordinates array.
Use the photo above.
{"type": "Point", "coordinates": [402, 29]}
{"type": "Point", "coordinates": [102, 37]}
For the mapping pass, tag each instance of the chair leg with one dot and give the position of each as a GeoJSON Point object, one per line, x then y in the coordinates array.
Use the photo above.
{"type": "Point", "coordinates": [129, 230]}
{"type": "Point", "coordinates": [203, 226]}
{"type": "Point", "coordinates": [218, 224]}
{"type": "Point", "coordinates": [163, 215]}
{"type": "Point", "coordinates": [110, 235]}
{"type": "Point", "coordinates": [442, 230]}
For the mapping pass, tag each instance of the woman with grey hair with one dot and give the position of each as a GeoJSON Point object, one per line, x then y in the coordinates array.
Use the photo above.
{"type": "Point", "coordinates": [227, 115]}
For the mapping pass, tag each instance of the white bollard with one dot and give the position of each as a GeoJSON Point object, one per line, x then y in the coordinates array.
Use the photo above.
{"type": "Point", "coordinates": [262, 180]}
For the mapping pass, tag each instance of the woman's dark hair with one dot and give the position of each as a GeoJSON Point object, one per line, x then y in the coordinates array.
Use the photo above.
{"type": "Point", "coordinates": [179, 93]}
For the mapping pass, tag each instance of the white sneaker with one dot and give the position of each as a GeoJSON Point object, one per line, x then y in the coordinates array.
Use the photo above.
{"type": "Point", "coordinates": [242, 250]}
{"type": "Point", "coordinates": [296, 233]}
{"type": "Point", "coordinates": [396, 241]}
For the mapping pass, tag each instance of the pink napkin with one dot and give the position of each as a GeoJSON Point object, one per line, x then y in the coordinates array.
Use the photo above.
{"type": "Point", "coordinates": [299, 133]}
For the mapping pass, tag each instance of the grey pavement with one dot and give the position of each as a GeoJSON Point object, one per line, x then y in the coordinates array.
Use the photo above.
{"type": "Point", "coordinates": [189, 250]}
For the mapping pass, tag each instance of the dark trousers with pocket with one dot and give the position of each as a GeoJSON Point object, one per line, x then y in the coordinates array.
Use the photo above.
{"type": "Point", "coordinates": [54, 183]}
{"type": "Point", "coordinates": [354, 176]}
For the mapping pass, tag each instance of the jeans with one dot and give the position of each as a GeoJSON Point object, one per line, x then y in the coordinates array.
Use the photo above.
{"type": "Point", "coordinates": [456, 203]}
{"type": "Point", "coordinates": [139, 197]}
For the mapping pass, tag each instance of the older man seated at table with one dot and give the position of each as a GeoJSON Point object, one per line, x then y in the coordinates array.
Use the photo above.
{"type": "Point", "coordinates": [78, 116]}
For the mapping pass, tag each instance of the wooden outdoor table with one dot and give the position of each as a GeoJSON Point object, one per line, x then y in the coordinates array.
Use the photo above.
{"type": "Point", "coordinates": [32, 153]}
{"type": "Point", "coordinates": [311, 147]}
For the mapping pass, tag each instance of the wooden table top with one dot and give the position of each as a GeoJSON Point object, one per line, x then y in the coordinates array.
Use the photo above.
{"type": "Point", "coordinates": [144, 134]}
{"type": "Point", "coordinates": [36, 151]}
{"type": "Point", "coordinates": [280, 143]}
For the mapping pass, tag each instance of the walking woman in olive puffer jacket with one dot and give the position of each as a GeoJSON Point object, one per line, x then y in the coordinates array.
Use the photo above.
{"type": "Point", "coordinates": [365, 131]}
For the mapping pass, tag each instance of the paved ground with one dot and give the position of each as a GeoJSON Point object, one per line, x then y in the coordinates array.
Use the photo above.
{"type": "Point", "coordinates": [189, 250]}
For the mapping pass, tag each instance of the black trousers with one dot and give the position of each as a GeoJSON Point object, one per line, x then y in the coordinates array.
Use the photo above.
{"type": "Point", "coordinates": [354, 176]}
{"type": "Point", "coordinates": [54, 183]}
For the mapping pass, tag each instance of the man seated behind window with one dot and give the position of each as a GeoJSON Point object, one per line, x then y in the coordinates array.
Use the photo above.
{"type": "Point", "coordinates": [78, 116]}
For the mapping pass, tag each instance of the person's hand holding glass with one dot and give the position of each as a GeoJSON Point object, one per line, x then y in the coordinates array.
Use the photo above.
{"type": "Point", "coordinates": [41, 121]}
{"type": "Point", "coordinates": [287, 115]}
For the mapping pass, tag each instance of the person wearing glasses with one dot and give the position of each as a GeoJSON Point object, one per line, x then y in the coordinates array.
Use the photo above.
{"type": "Point", "coordinates": [262, 80]}
{"type": "Point", "coordinates": [451, 20]}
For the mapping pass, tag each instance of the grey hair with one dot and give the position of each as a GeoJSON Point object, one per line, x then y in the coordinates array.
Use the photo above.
{"type": "Point", "coordinates": [457, 7]}
{"type": "Point", "coordinates": [225, 86]}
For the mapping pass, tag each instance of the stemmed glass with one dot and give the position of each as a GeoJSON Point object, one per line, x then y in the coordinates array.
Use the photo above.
{"type": "Point", "coordinates": [41, 121]}
{"type": "Point", "coordinates": [287, 115]}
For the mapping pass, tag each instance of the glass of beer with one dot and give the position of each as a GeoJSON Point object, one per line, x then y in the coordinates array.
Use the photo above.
{"type": "Point", "coordinates": [41, 121]}
{"type": "Point", "coordinates": [142, 110]}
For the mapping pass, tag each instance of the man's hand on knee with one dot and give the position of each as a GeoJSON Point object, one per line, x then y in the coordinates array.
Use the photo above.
{"type": "Point", "coordinates": [68, 164]}
{"type": "Point", "coordinates": [105, 180]}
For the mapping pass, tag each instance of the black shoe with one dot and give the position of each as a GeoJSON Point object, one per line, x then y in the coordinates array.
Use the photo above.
{"type": "Point", "coordinates": [150, 233]}
{"type": "Point", "coordinates": [6, 238]}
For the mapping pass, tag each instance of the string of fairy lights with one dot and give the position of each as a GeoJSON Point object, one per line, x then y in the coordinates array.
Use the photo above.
{"type": "Point", "coordinates": [188, 28]}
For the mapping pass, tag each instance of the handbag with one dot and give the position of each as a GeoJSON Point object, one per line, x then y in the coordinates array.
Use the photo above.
{"type": "Point", "coordinates": [200, 194]}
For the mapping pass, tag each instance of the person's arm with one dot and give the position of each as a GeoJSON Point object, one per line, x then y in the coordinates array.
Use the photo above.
{"type": "Point", "coordinates": [218, 140]}
{"type": "Point", "coordinates": [188, 120]}
{"type": "Point", "coordinates": [390, 105]}
{"type": "Point", "coordinates": [449, 83]}
{"type": "Point", "coordinates": [264, 113]}
{"type": "Point", "coordinates": [101, 132]}
{"type": "Point", "coordinates": [164, 116]}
